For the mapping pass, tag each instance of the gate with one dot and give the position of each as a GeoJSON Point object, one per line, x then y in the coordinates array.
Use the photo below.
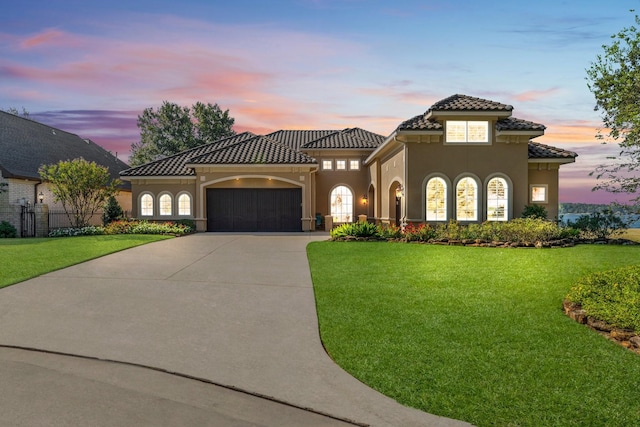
{"type": "Point", "coordinates": [27, 221]}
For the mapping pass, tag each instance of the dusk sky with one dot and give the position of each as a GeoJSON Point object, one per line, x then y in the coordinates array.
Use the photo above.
{"type": "Point", "coordinates": [91, 67]}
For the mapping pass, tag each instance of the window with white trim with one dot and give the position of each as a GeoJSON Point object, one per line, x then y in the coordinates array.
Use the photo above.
{"type": "Point", "coordinates": [436, 200]}
{"type": "Point", "coordinates": [539, 193]}
{"type": "Point", "coordinates": [341, 165]}
{"type": "Point", "coordinates": [341, 204]}
{"type": "Point", "coordinates": [467, 132]}
{"type": "Point", "coordinates": [467, 200]}
{"type": "Point", "coordinates": [497, 200]}
{"type": "Point", "coordinates": [165, 204]}
{"type": "Point", "coordinates": [146, 205]}
{"type": "Point", "coordinates": [184, 204]}
{"type": "Point", "coordinates": [327, 165]}
{"type": "Point", "coordinates": [354, 165]}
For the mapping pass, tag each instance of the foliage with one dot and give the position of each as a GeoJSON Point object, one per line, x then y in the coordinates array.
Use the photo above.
{"type": "Point", "coordinates": [80, 186]}
{"type": "Point", "coordinates": [519, 230]}
{"type": "Point", "coordinates": [612, 296]}
{"type": "Point", "coordinates": [2, 187]}
{"type": "Point", "coordinates": [171, 129]}
{"type": "Point", "coordinates": [127, 227]}
{"type": "Point", "coordinates": [600, 225]}
{"type": "Point", "coordinates": [588, 208]}
{"type": "Point", "coordinates": [355, 229]}
{"type": "Point", "coordinates": [534, 211]}
{"type": "Point", "coordinates": [475, 334]}
{"type": "Point", "coordinates": [614, 80]}
{"type": "Point", "coordinates": [7, 230]}
{"type": "Point", "coordinates": [112, 211]}
{"type": "Point", "coordinates": [22, 259]}
{"type": "Point", "coordinates": [15, 112]}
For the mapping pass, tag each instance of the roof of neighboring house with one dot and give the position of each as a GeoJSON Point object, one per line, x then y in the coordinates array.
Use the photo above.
{"type": "Point", "coordinates": [541, 151]}
{"type": "Point", "coordinates": [283, 147]}
{"type": "Point", "coordinates": [459, 102]}
{"type": "Point", "coordinates": [25, 145]}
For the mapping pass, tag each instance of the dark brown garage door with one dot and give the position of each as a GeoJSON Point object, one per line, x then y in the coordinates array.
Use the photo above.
{"type": "Point", "coordinates": [254, 209]}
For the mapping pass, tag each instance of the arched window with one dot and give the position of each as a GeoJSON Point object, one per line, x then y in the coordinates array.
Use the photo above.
{"type": "Point", "coordinates": [497, 200]}
{"type": "Point", "coordinates": [165, 204]}
{"type": "Point", "coordinates": [467, 200]}
{"type": "Point", "coordinates": [146, 205]}
{"type": "Point", "coordinates": [436, 200]}
{"type": "Point", "coordinates": [184, 204]}
{"type": "Point", "coordinates": [342, 204]}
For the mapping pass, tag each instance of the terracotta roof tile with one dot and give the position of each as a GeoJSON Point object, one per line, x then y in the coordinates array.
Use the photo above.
{"type": "Point", "coordinates": [354, 138]}
{"type": "Point", "coordinates": [511, 123]}
{"type": "Point", "coordinates": [257, 150]}
{"type": "Point", "coordinates": [468, 103]}
{"type": "Point", "coordinates": [541, 151]}
{"type": "Point", "coordinates": [420, 123]}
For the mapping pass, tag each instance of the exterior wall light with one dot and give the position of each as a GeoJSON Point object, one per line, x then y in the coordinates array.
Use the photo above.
{"type": "Point", "coordinates": [365, 199]}
{"type": "Point", "coordinates": [41, 197]}
{"type": "Point", "coordinates": [399, 191]}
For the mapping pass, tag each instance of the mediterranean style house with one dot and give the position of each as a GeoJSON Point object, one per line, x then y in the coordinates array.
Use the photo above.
{"type": "Point", "coordinates": [25, 145]}
{"type": "Point", "coordinates": [466, 159]}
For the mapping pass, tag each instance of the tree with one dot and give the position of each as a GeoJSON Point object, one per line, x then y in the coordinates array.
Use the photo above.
{"type": "Point", "coordinates": [614, 79]}
{"type": "Point", "coordinates": [15, 112]}
{"type": "Point", "coordinates": [81, 186]}
{"type": "Point", "coordinates": [112, 211]}
{"type": "Point", "coordinates": [172, 128]}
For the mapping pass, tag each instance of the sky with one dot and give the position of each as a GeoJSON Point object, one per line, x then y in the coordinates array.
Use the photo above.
{"type": "Point", "coordinates": [91, 68]}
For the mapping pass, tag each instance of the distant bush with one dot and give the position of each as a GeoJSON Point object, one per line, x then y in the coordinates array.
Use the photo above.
{"type": "Point", "coordinates": [600, 225]}
{"type": "Point", "coordinates": [611, 296]}
{"type": "Point", "coordinates": [7, 230]}
{"type": "Point", "coordinates": [534, 211]}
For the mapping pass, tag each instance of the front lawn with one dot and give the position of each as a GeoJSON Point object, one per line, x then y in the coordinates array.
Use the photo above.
{"type": "Point", "coordinates": [22, 259]}
{"type": "Point", "coordinates": [476, 334]}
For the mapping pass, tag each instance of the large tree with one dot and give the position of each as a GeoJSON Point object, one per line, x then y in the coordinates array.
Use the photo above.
{"type": "Point", "coordinates": [81, 186]}
{"type": "Point", "coordinates": [172, 128]}
{"type": "Point", "coordinates": [614, 79]}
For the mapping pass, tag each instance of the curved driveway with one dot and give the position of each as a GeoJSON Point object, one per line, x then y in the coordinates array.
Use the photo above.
{"type": "Point", "coordinates": [235, 310]}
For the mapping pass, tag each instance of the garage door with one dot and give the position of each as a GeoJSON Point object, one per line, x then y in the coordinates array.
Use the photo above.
{"type": "Point", "coordinates": [254, 209]}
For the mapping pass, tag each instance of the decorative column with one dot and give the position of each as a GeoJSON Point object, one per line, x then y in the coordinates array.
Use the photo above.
{"type": "Point", "coordinates": [42, 219]}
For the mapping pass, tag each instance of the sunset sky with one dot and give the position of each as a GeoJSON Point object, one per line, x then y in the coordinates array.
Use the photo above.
{"type": "Point", "coordinates": [91, 67]}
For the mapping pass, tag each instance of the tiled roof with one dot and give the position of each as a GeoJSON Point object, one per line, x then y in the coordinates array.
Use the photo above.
{"type": "Point", "coordinates": [354, 138]}
{"type": "Point", "coordinates": [257, 150]}
{"type": "Point", "coordinates": [541, 151]}
{"type": "Point", "coordinates": [175, 165]}
{"type": "Point", "coordinates": [297, 138]}
{"type": "Point", "coordinates": [25, 145]}
{"type": "Point", "coordinates": [468, 103]}
{"type": "Point", "coordinates": [420, 123]}
{"type": "Point", "coordinates": [511, 123]}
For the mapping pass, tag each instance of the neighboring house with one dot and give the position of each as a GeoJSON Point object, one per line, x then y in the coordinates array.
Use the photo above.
{"type": "Point", "coordinates": [25, 145]}
{"type": "Point", "coordinates": [465, 159]}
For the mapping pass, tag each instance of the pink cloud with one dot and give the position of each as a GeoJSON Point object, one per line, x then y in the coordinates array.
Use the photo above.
{"type": "Point", "coordinates": [535, 95]}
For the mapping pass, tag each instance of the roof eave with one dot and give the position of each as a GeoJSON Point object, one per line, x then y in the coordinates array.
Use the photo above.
{"type": "Point", "coordinates": [563, 160]}
{"type": "Point", "coordinates": [382, 147]}
{"type": "Point", "coordinates": [478, 113]}
{"type": "Point", "coordinates": [131, 177]}
{"type": "Point", "coordinates": [514, 132]}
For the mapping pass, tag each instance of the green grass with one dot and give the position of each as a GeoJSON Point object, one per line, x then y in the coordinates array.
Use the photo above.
{"type": "Point", "coordinates": [22, 259]}
{"type": "Point", "coordinates": [475, 334]}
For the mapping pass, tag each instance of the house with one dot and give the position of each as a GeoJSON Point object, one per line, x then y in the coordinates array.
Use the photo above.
{"type": "Point", "coordinates": [25, 145]}
{"type": "Point", "coordinates": [465, 159]}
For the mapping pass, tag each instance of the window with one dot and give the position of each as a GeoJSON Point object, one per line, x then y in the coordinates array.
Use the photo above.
{"type": "Point", "coordinates": [467, 200]}
{"type": "Point", "coordinates": [165, 204]}
{"type": "Point", "coordinates": [436, 200]}
{"type": "Point", "coordinates": [539, 193]}
{"type": "Point", "coordinates": [146, 205]}
{"type": "Point", "coordinates": [341, 204]}
{"type": "Point", "coordinates": [184, 204]}
{"type": "Point", "coordinates": [327, 165]}
{"type": "Point", "coordinates": [341, 165]}
{"type": "Point", "coordinates": [354, 165]}
{"type": "Point", "coordinates": [459, 131]}
{"type": "Point", "coordinates": [497, 200]}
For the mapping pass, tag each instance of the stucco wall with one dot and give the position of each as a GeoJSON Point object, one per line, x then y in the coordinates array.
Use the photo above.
{"type": "Point", "coordinates": [392, 171]}
{"type": "Point", "coordinates": [545, 174]}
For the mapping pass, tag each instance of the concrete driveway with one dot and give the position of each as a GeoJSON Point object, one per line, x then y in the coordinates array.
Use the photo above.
{"type": "Point", "coordinates": [235, 310]}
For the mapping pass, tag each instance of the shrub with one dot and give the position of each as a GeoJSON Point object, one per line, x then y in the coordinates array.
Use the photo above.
{"type": "Point", "coordinates": [389, 232]}
{"type": "Point", "coordinates": [355, 229]}
{"type": "Point", "coordinates": [419, 233]}
{"type": "Point", "coordinates": [534, 211]}
{"type": "Point", "coordinates": [7, 230]}
{"type": "Point", "coordinates": [611, 296]}
{"type": "Point", "coordinates": [119, 227]}
{"type": "Point", "coordinates": [600, 225]}
{"type": "Point", "coordinates": [75, 231]}
{"type": "Point", "coordinates": [112, 211]}
{"type": "Point", "coordinates": [145, 227]}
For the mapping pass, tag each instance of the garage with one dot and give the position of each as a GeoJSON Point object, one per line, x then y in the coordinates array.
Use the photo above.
{"type": "Point", "coordinates": [254, 209]}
